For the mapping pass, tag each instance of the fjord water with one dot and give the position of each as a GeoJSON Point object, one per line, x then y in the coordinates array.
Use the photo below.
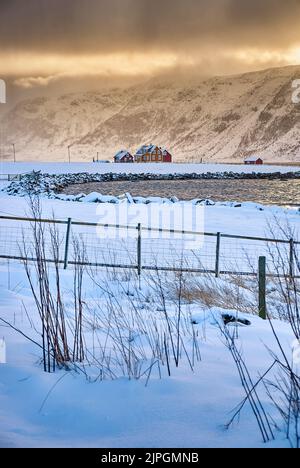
{"type": "Point", "coordinates": [269, 192]}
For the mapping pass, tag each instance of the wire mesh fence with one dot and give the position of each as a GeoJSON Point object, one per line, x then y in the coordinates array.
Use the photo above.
{"type": "Point", "coordinates": [10, 177]}
{"type": "Point", "coordinates": [145, 248]}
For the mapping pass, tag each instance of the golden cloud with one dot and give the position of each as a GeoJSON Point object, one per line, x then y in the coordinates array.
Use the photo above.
{"type": "Point", "coordinates": [34, 69]}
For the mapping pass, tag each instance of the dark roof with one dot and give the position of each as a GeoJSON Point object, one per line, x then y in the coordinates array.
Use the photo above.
{"type": "Point", "coordinates": [121, 154]}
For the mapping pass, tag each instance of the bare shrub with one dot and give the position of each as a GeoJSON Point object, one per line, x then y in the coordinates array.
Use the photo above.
{"type": "Point", "coordinates": [281, 381]}
{"type": "Point", "coordinates": [284, 389]}
{"type": "Point", "coordinates": [45, 281]}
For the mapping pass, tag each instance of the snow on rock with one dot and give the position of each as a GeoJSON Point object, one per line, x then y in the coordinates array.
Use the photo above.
{"type": "Point", "coordinates": [157, 200]}
{"type": "Point", "coordinates": [198, 201]}
{"type": "Point", "coordinates": [96, 197]}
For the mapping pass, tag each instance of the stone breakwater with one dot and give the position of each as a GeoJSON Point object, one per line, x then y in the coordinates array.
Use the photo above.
{"type": "Point", "coordinates": [53, 186]}
{"type": "Point", "coordinates": [56, 187]}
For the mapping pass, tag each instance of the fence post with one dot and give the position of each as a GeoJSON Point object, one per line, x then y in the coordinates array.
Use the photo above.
{"type": "Point", "coordinates": [139, 252]}
{"type": "Point", "coordinates": [218, 249]}
{"type": "Point", "coordinates": [262, 287]}
{"type": "Point", "coordinates": [69, 224]}
{"type": "Point", "coordinates": [291, 259]}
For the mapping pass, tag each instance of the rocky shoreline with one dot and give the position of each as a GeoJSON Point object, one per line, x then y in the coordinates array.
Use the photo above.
{"type": "Point", "coordinates": [52, 184]}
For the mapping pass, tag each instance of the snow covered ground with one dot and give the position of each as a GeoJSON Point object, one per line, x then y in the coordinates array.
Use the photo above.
{"type": "Point", "coordinates": [188, 409]}
{"type": "Point", "coordinates": [163, 168]}
{"type": "Point", "coordinates": [249, 219]}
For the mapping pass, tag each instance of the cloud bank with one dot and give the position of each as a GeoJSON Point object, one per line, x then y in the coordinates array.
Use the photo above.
{"type": "Point", "coordinates": [43, 40]}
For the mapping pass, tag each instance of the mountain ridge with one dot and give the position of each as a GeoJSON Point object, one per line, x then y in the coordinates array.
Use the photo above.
{"type": "Point", "coordinates": [223, 118]}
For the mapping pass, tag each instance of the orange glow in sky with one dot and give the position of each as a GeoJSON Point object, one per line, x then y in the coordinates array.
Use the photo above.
{"type": "Point", "coordinates": [40, 69]}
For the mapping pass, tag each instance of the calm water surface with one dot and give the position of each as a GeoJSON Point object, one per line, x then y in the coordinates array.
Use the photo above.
{"type": "Point", "coordinates": [279, 192]}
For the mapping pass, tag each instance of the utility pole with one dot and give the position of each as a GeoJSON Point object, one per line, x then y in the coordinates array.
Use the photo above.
{"type": "Point", "coordinates": [69, 153]}
{"type": "Point", "coordinates": [14, 150]}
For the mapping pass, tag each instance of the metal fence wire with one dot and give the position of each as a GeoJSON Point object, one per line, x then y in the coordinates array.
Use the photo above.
{"type": "Point", "coordinates": [146, 248]}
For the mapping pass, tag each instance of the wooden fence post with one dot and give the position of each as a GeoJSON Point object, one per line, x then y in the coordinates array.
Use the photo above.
{"type": "Point", "coordinates": [291, 259]}
{"type": "Point", "coordinates": [69, 224]}
{"type": "Point", "coordinates": [218, 250]}
{"type": "Point", "coordinates": [262, 287]}
{"type": "Point", "coordinates": [139, 252]}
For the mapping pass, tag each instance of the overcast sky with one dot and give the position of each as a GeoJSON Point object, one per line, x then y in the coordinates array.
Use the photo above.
{"type": "Point", "coordinates": [49, 40]}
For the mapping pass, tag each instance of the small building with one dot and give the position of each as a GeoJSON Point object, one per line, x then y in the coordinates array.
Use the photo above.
{"type": "Point", "coordinates": [254, 160]}
{"type": "Point", "coordinates": [152, 153]}
{"type": "Point", "coordinates": [123, 156]}
{"type": "Point", "coordinates": [167, 157]}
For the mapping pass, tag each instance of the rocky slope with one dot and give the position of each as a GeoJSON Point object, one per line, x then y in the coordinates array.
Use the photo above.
{"type": "Point", "coordinates": [217, 119]}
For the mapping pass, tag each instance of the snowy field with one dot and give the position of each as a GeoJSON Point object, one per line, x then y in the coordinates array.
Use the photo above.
{"type": "Point", "coordinates": [173, 168]}
{"type": "Point", "coordinates": [187, 409]}
{"type": "Point", "coordinates": [248, 220]}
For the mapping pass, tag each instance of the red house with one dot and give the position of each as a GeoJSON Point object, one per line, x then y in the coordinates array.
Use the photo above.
{"type": "Point", "coordinates": [167, 157]}
{"type": "Point", "coordinates": [123, 157]}
{"type": "Point", "coordinates": [152, 153]}
{"type": "Point", "coordinates": [254, 160]}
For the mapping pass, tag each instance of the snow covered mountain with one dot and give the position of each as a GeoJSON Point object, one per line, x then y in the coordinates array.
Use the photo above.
{"type": "Point", "coordinates": [217, 119]}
